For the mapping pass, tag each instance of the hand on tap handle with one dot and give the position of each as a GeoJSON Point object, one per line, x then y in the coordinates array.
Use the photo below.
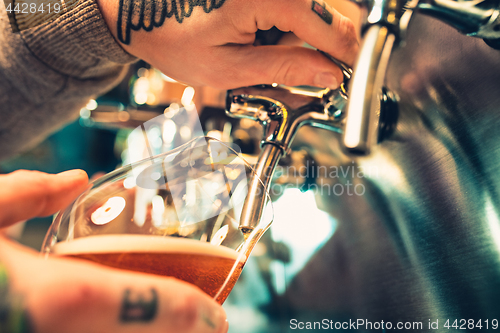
{"type": "Point", "coordinates": [211, 42]}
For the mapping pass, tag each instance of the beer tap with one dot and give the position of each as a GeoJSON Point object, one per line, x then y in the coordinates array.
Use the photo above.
{"type": "Point", "coordinates": [383, 29]}
{"type": "Point", "coordinates": [282, 111]}
{"type": "Point", "coordinates": [385, 23]}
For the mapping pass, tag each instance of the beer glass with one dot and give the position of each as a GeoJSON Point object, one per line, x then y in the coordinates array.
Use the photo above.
{"type": "Point", "coordinates": [175, 214]}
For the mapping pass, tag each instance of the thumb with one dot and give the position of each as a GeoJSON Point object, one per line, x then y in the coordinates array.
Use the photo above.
{"type": "Point", "coordinates": [282, 64]}
{"type": "Point", "coordinates": [27, 194]}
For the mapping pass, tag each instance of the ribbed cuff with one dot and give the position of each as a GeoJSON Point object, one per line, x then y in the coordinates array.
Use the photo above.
{"type": "Point", "coordinates": [78, 43]}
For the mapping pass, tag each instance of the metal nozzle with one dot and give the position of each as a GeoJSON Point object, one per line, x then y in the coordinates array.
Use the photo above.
{"type": "Point", "coordinates": [282, 111]}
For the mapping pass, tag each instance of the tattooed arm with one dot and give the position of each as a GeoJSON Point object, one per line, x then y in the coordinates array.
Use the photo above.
{"type": "Point", "coordinates": [211, 41]}
{"type": "Point", "coordinates": [63, 295]}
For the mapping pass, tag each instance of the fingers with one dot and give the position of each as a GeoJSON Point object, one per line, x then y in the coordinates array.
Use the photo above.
{"type": "Point", "coordinates": [313, 21]}
{"type": "Point", "coordinates": [125, 302]}
{"type": "Point", "coordinates": [213, 46]}
{"type": "Point", "coordinates": [26, 194]}
{"type": "Point", "coordinates": [316, 23]}
{"type": "Point", "coordinates": [288, 65]}
{"type": "Point", "coordinates": [75, 296]}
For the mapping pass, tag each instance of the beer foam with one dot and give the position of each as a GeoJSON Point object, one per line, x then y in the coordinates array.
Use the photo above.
{"type": "Point", "coordinates": [141, 244]}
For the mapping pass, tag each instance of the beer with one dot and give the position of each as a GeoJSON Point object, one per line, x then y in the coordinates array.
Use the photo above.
{"type": "Point", "coordinates": [199, 263]}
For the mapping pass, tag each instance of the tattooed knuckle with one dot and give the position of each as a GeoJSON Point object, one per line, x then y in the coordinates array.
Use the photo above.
{"type": "Point", "coordinates": [321, 9]}
{"type": "Point", "coordinates": [139, 306]}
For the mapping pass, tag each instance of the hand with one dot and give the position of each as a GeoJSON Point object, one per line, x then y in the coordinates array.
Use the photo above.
{"type": "Point", "coordinates": [210, 42]}
{"type": "Point", "coordinates": [66, 295]}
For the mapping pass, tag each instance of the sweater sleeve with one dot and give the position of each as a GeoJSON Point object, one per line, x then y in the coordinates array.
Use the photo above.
{"type": "Point", "coordinates": [49, 72]}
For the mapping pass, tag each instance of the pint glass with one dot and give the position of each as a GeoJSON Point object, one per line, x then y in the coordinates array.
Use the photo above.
{"type": "Point", "coordinates": [176, 214]}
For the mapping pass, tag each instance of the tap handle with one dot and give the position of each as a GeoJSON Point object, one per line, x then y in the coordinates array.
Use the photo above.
{"type": "Point", "coordinates": [363, 109]}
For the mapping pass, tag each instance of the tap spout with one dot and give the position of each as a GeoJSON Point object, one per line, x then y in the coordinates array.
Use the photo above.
{"type": "Point", "coordinates": [256, 199]}
{"type": "Point", "coordinates": [282, 111]}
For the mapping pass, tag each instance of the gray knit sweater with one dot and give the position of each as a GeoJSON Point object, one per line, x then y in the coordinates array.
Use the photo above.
{"type": "Point", "coordinates": [48, 73]}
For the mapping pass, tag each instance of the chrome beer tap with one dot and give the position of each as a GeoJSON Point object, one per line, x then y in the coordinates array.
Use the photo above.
{"type": "Point", "coordinates": [282, 111]}
{"type": "Point", "coordinates": [385, 23]}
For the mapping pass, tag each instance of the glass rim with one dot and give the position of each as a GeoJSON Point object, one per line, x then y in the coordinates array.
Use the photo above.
{"type": "Point", "coordinates": [124, 168]}
{"type": "Point", "coordinates": [120, 172]}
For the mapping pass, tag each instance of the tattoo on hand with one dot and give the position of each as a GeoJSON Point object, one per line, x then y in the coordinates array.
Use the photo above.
{"type": "Point", "coordinates": [147, 14]}
{"type": "Point", "coordinates": [322, 12]}
{"type": "Point", "coordinates": [138, 309]}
